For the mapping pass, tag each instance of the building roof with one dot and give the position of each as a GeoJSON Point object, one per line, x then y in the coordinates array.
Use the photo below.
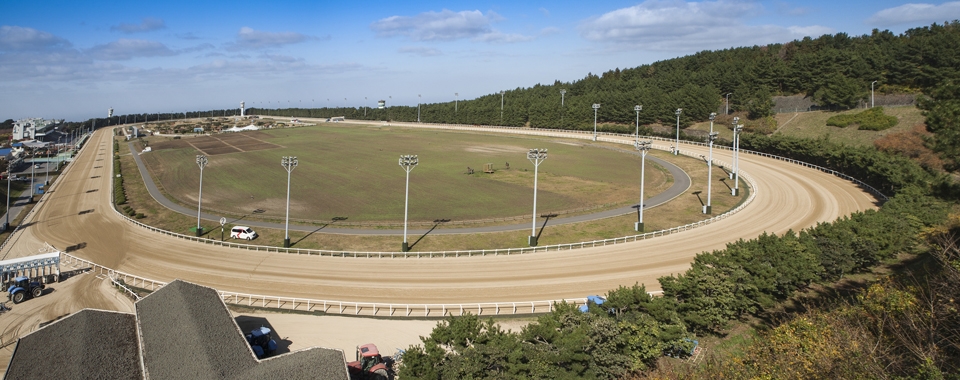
{"type": "Point", "coordinates": [93, 344]}
{"type": "Point", "coordinates": [185, 332]}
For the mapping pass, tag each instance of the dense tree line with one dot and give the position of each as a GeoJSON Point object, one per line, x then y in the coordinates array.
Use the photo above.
{"type": "Point", "coordinates": [631, 330]}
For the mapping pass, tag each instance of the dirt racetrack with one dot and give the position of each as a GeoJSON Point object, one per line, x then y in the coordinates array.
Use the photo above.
{"type": "Point", "coordinates": [788, 197]}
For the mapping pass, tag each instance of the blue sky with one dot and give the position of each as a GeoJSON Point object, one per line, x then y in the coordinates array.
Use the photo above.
{"type": "Point", "coordinates": [76, 59]}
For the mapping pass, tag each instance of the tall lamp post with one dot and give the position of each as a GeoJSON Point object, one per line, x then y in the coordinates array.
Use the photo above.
{"type": "Point", "coordinates": [737, 128]}
{"type": "Point", "coordinates": [643, 147]}
{"type": "Point", "coordinates": [596, 106]}
{"type": "Point", "coordinates": [638, 108]}
{"type": "Point", "coordinates": [871, 93]}
{"type": "Point", "coordinates": [201, 162]}
{"type": "Point", "coordinates": [6, 223]}
{"type": "Point", "coordinates": [288, 163]}
{"type": "Point", "coordinates": [33, 171]}
{"type": "Point", "coordinates": [456, 103]}
{"type": "Point", "coordinates": [727, 109]}
{"type": "Point", "coordinates": [419, 100]}
{"type": "Point", "coordinates": [676, 147]}
{"type": "Point", "coordinates": [562, 93]}
{"type": "Point", "coordinates": [536, 156]}
{"type": "Point", "coordinates": [407, 162]}
{"type": "Point", "coordinates": [708, 208]}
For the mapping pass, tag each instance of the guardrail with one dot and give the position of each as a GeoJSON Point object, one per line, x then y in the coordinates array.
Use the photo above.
{"type": "Point", "coordinates": [438, 310]}
{"type": "Point", "coordinates": [476, 252]}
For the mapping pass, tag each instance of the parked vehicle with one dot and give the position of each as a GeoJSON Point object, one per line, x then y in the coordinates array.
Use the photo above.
{"type": "Point", "coordinates": [596, 300]}
{"type": "Point", "coordinates": [371, 365]}
{"type": "Point", "coordinates": [242, 232]}
{"type": "Point", "coordinates": [261, 343]}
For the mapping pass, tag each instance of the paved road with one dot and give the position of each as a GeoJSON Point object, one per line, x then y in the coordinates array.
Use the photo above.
{"type": "Point", "coordinates": [79, 214]}
{"type": "Point", "coordinates": [681, 182]}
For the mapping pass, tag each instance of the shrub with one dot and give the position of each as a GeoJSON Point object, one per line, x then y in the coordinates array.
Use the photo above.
{"type": "Point", "coordinates": [140, 215]}
{"type": "Point", "coordinates": [870, 120]}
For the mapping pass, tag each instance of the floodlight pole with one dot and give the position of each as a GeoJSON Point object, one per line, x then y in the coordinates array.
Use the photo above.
{"type": "Point", "coordinates": [562, 93]}
{"type": "Point", "coordinates": [708, 208]}
{"type": "Point", "coordinates": [638, 108]}
{"type": "Point", "coordinates": [407, 162]}
{"type": "Point", "coordinates": [871, 93]}
{"type": "Point", "coordinates": [201, 162]}
{"type": "Point", "coordinates": [33, 171]}
{"type": "Point", "coordinates": [676, 147]}
{"type": "Point", "coordinates": [596, 106]}
{"type": "Point", "coordinates": [419, 99]}
{"type": "Point", "coordinates": [737, 128]}
{"type": "Point", "coordinates": [456, 104]}
{"type": "Point", "coordinates": [288, 163]}
{"type": "Point", "coordinates": [643, 147]}
{"type": "Point", "coordinates": [365, 107]}
{"type": "Point", "coordinates": [536, 156]}
{"type": "Point", "coordinates": [6, 224]}
{"type": "Point", "coordinates": [727, 109]}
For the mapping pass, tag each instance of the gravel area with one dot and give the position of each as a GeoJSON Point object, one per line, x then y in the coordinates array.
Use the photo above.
{"type": "Point", "coordinates": [311, 363]}
{"type": "Point", "coordinates": [188, 333]}
{"type": "Point", "coordinates": [90, 344]}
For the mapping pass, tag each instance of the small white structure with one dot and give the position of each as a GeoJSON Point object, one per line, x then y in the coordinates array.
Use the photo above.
{"type": "Point", "coordinates": [241, 129]}
{"type": "Point", "coordinates": [242, 109]}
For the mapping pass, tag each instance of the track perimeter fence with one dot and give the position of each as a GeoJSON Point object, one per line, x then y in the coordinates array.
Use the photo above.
{"type": "Point", "coordinates": [430, 310]}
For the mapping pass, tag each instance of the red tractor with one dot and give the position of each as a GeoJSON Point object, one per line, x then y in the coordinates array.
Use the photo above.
{"type": "Point", "coordinates": [370, 365]}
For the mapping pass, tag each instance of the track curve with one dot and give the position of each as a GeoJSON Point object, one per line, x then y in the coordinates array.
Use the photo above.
{"type": "Point", "coordinates": [791, 197]}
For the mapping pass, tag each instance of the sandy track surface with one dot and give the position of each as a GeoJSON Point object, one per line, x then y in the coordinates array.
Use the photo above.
{"type": "Point", "coordinates": [788, 197]}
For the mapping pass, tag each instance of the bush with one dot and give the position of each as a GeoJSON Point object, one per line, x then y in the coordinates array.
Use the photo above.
{"type": "Point", "coordinates": [870, 120]}
{"type": "Point", "coordinates": [140, 215]}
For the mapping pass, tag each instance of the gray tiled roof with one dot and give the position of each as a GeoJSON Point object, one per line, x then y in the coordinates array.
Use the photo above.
{"type": "Point", "coordinates": [185, 332]}
{"type": "Point", "coordinates": [90, 344]}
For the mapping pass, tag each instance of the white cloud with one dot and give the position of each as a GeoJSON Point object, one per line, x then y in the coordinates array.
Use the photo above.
{"type": "Point", "coordinates": [124, 49]}
{"type": "Point", "coordinates": [545, 11]}
{"type": "Point", "coordinates": [20, 38]}
{"type": "Point", "coordinates": [445, 25]}
{"type": "Point", "coordinates": [497, 37]}
{"type": "Point", "coordinates": [685, 26]}
{"type": "Point", "coordinates": [916, 13]}
{"type": "Point", "coordinates": [419, 51]}
{"type": "Point", "coordinates": [146, 25]}
{"type": "Point", "coordinates": [248, 38]}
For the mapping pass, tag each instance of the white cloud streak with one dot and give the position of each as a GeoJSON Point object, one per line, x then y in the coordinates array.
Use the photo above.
{"type": "Point", "coordinates": [446, 25]}
{"type": "Point", "coordinates": [916, 13]}
{"type": "Point", "coordinates": [670, 25]}
{"type": "Point", "coordinates": [146, 25]}
{"type": "Point", "coordinates": [125, 49]}
{"type": "Point", "coordinates": [16, 38]}
{"type": "Point", "coordinates": [250, 39]}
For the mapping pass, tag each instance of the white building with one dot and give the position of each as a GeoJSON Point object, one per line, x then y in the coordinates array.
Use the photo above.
{"type": "Point", "coordinates": [33, 128]}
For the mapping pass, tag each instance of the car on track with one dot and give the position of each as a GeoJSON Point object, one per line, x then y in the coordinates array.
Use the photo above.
{"type": "Point", "coordinates": [242, 232]}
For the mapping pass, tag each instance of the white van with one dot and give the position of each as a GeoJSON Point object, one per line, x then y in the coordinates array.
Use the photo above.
{"type": "Point", "coordinates": [242, 232]}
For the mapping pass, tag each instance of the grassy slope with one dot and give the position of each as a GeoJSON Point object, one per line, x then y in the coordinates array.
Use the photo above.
{"type": "Point", "coordinates": [814, 125]}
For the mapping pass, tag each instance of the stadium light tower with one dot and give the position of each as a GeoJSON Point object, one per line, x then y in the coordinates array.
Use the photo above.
{"type": "Point", "coordinates": [288, 163]}
{"type": "Point", "coordinates": [201, 162]}
{"type": "Point", "coordinates": [562, 93]}
{"type": "Point", "coordinates": [871, 93]}
{"type": "Point", "coordinates": [676, 147]}
{"type": "Point", "coordinates": [727, 109]}
{"type": "Point", "coordinates": [737, 128]}
{"type": "Point", "coordinates": [407, 162]}
{"type": "Point", "coordinates": [596, 106]}
{"type": "Point", "coordinates": [708, 208]}
{"type": "Point", "coordinates": [418, 107]}
{"type": "Point", "coordinates": [638, 108]}
{"type": "Point", "coordinates": [643, 147]}
{"type": "Point", "coordinates": [456, 104]}
{"type": "Point", "coordinates": [536, 156]}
